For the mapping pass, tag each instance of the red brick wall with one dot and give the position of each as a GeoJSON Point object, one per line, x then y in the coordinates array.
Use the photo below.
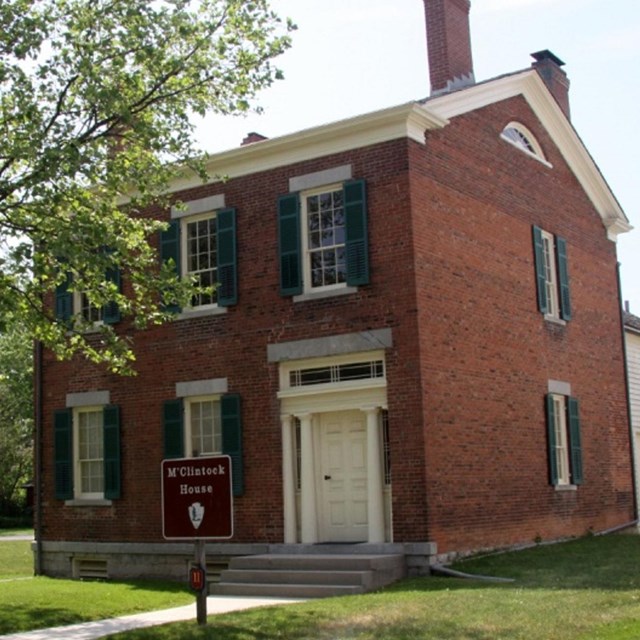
{"type": "Point", "coordinates": [234, 346]}
{"type": "Point", "coordinates": [465, 399]}
{"type": "Point", "coordinates": [487, 353]}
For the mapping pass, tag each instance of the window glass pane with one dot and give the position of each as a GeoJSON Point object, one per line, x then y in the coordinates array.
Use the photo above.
{"type": "Point", "coordinates": [201, 259]}
{"type": "Point", "coordinates": [326, 229]}
{"type": "Point", "coordinates": [90, 451]}
{"type": "Point", "coordinates": [560, 429]}
{"type": "Point", "coordinates": [205, 427]}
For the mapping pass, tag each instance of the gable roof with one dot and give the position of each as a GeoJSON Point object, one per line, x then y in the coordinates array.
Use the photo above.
{"type": "Point", "coordinates": [529, 84]}
{"type": "Point", "coordinates": [631, 322]}
{"type": "Point", "coordinates": [411, 120]}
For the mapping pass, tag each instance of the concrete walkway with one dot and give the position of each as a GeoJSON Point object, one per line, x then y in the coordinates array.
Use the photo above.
{"type": "Point", "coordinates": [101, 628]}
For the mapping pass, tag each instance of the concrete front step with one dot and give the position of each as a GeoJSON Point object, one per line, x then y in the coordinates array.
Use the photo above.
{"type": "Point", "coordinates": [273, 576]}
{"type": "Point", "coordinates": [283, 590]}
{"type": "Point", "coordinates": [308, 575]}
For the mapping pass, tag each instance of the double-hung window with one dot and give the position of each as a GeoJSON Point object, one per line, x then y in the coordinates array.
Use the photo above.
{"type": "Point", "coordinates": [203, 247]}
{"type": "Point", "coordinates": [552, 274]}
{"type": "Point", "coordinates": [199, 256]}
{"type": "Point", "coordinates": [75, 308]}
{"type": "Point", "coordinates": [323, 241]}
{"type": "Point", "coordinates": [205, 425]}
{"type": "Point", "coordinates": [87, 453]}
{"type": "Point", "coordinates": [563, 435]}
{"type": "Point", "coordinates": [88, 312]}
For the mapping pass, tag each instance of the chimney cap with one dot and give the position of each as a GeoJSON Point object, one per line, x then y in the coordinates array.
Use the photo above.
{"type": "Point", "coordinates": [545, 54]}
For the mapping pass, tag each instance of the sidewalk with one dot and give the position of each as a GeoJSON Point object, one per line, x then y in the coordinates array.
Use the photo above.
{"type": "Point", "coordinates": [101, 628]}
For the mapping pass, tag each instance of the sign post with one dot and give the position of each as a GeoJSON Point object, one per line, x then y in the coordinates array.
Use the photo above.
{"type": "Point", "coordinates": [197, 505]}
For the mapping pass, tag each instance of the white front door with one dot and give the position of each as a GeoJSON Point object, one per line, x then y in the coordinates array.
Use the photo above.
{"type": "Point", "coordinates": [343, 477]}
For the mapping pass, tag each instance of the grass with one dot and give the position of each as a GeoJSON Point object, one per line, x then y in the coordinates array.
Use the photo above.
{"type": "Point", "coordinates": [34, 603]}
{"type": "Point", "coordinates": [587, 589]}
{"type": "Point", "coordinates": [15, 532]}
{"type": "Point", "coordinates": [16, 560]}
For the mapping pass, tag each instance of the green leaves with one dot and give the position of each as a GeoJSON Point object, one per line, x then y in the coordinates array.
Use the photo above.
{"type": "Point", "coordinates": [95, 106]}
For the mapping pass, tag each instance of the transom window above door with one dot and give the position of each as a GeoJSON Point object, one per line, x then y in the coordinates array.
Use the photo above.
{"type": "Point", "coordinates": [333, 373]}
{"type": "Point", "coordinates": [336, 373]}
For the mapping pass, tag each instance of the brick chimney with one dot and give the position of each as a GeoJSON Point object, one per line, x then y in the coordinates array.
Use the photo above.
{"type": "Point", "coordinates": [252, 137]}
{"type": "Point", "coordinates": [448, 44]}
{"type": "Point", "coordinates": [549, 67]}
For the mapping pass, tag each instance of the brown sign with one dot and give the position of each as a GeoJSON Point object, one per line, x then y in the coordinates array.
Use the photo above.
{"type": "Point", "coordinates": [196, 498]}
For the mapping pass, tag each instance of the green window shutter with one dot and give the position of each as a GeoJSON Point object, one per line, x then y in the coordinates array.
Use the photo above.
{"type": "Point", "coordinates": [232, 438]}
{"type": "Point", "coordinates": [173, 429]}
{"type": "Point", "coordinates": [227, 291]}
{"type": "Point", "coordinates": [111, 311]}
{"type": "Point", "coordinates": [551, 440]}
{"type": "Point", "coordinates": [111, 433]}
{"type": "Point", "coordinates": [541, 280]}
{"type": "Point", "coordinates": [64, 300]}
{"type": "Point", "coordinates": [289, 244]}
{"type": "Point", "coordinates": [575, 441]}
{"type": "Point", "coordinates": [356, 242]}
{"type": "Point", "coordinates": [170, 250]}
{"type": "Point", "coordinates": [63, 453]}
{"type": "Point", "coordinates": [563, 278]}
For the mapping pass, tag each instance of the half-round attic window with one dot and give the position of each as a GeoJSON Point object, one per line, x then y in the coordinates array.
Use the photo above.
{"type": "Point", "coordinates": [518, 135]}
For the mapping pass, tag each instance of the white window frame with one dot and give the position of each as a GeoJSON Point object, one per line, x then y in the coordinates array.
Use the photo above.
{"type": "Point", "coordinates": [552, 285]}
{"type": "Point", "coordinates": [516, 134]}
{"type": "Point", "coordinates": [80, 303]}
{"type": "Point", "coordinates": [306, 251]}
{"type": "Point", "coordinates": [189, 415]}
{"type": "Point", "coordinates": [184, 254]}
{"type": "Point", "coordinates": [560, 428]}
{"type": "Point", "coordinates": [78, 462]}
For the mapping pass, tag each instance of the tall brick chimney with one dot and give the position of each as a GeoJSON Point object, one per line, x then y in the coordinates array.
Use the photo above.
{"type": "Point", "coordinates": [549, 67]}
{"type": "Point", "coordinates": [448, 44]}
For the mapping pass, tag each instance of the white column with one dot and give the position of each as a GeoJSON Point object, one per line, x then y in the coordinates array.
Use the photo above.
{"type": "Point", "coordinates": [375, 481]}
{"type": "Point", "coordinates": [308, 518]}
{"type": "Point", "coordinates": [288, 480]}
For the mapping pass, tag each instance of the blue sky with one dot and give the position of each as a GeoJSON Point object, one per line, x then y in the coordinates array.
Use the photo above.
{"type": "Point", "coordinates": [354, 56]}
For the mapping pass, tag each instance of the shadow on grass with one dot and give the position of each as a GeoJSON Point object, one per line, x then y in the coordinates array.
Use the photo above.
{"type": "Point", "coordinates": [14, 619]}
{"type": "Point", "coordinates": [49, 602]}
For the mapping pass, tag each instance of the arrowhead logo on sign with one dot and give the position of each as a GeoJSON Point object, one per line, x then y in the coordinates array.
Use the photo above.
{"type": "Point", "coordinates": [196, 498]}
{"type": "Point", "coordinates": [196, 514]}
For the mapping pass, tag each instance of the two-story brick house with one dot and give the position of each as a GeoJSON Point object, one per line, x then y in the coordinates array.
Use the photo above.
{"type": "Point", "coordinates": [416, 338]}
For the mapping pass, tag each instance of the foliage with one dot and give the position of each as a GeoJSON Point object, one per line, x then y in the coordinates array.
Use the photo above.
{"type": "Point", "coordinates": [29, 603]}
{"type": "Point", "coordinates": [16, 411]}
{"type": "Point", "coordinates": [96, 101]}
{"type": "Point", "coordinates": [583, 590]}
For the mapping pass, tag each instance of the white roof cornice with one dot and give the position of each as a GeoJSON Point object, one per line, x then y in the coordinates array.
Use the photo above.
{"type": "Point", "coordinates": [408, 120]}
{"type": "Point", "coordinates": [412, 120]}
{"type": "Point", "coordinates": [532, 88]}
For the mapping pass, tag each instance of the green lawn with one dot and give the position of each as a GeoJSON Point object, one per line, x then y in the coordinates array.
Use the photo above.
{"type": "Point", "coordinates": [15, 532]}
{"type": "Point", "coordinates": [583, 590]}
{"type": "Point", "coordinates": [33, 603]}
{"type": "Point", "coordinates": [587, 589]}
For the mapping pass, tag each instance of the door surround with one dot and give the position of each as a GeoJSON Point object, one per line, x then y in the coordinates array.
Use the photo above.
{"type": "Point", "coordinates": [302, 408]}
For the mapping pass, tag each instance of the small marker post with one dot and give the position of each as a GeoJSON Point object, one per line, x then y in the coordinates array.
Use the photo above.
{"type": "Point", "coordinates": [201, 582]}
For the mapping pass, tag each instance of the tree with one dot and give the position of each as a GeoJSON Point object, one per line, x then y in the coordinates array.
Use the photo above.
{"type": "Point", "coordinates": [96, 106]}
{"type": "Point", "coordinates": [16, 410]}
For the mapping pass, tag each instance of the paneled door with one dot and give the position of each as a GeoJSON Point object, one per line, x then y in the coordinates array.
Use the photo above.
{"type": "Point", "coordinates": [343, 477]}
